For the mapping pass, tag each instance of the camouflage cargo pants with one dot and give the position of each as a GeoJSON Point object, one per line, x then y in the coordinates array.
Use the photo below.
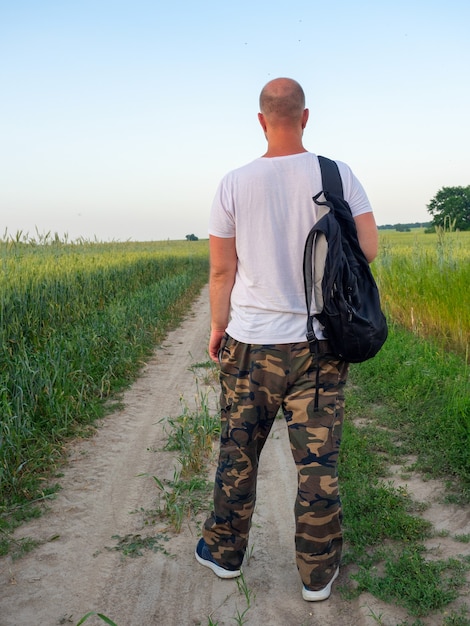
{"type": "Point", "coordinates": [256, 380]}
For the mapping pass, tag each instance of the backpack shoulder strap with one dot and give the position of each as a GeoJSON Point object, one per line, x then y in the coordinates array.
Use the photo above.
{"type": "Point", "coordinates": [331, 177]}
{"type": "Point", "coordinates": [333, 192]}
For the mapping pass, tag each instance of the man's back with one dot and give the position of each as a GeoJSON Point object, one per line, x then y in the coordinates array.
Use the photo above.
{"type": "Point", "coordinates": [267, 205]}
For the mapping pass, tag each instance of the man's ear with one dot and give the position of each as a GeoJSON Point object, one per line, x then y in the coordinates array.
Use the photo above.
{"type": "Point", "coordinates": [262, 121]}
{"type": "Point", "coordinates": [305, 115]}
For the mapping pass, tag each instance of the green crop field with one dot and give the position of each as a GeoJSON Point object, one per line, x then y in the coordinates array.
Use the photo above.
{"type": "Point", "coordinates": [424, 281]}
{"type": "Point", "coordinates": [76, 321]}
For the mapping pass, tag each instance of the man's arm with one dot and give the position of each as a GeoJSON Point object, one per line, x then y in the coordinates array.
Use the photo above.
{"type": "Point", "coordinates": [223, 267]}
{"type": "Point", "coordinates": [367, 234]}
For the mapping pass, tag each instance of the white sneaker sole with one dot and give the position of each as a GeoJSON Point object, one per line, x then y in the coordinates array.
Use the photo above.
{"type": "Point", "coordinates": [321, 594]}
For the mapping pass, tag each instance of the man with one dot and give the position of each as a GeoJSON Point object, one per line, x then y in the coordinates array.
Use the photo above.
{"type": "Point", "coordinates": [260, 218]}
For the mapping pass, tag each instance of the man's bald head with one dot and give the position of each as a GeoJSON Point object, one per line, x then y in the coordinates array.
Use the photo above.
{"type": "Point", "coordinates": [282, 100]}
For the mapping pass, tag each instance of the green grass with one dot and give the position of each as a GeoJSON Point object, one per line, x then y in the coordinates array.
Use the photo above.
{"type": "Point", "coordinates": [374, 510]}
{"type": "Point", "coordinates": [410, 580]}
{"type": "Point", "coordinates": [411, 401]}
{"type": "Point", "coordinates": [423, 395]}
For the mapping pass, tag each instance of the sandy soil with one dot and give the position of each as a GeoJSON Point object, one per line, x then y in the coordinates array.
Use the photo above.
{"type": "Point", "coordinates": [107, 485]}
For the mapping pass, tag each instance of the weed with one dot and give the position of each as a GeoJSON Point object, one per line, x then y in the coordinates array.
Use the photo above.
{"type": "Point", "coordinates": [12, 517]}
{"type": "Point", "coordinates": [16, 547]}
{"type": "Point", "coordinates": [458, 618]}
{"type": "Point", "coordinates": [100, 615]}
{"type": "Point", "coordinates": [210, 372]}
{"type": "Point", "coordinates": [181, 499]}
{"type": "Point", "coordinates": [245, 590]}
{"type": "Point", "coordinates": [249, 553]}
{"type": "Point", "coordinates": [375, 617]}
{"type": "Point", "coordinates": [134, 545]}
{"type": "Point", "coordinates": [192, 435]}
{"type": "Point", "coordinates": [411, 581]}
{"type": "Point", "coordinates": [240, 617]}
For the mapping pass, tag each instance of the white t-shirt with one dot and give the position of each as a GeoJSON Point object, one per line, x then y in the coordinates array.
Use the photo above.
{"type": "Point", "coordinates": [267, 206]}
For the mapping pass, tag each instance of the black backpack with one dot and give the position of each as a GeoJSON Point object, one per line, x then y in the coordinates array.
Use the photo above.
{"type": "Point", "coordinates": [353, 321]}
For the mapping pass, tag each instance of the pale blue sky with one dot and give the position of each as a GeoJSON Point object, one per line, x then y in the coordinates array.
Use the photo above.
{"type": "Point", "coordinates": [118, 118]}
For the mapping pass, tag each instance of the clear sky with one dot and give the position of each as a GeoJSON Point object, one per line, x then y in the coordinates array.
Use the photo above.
{"type": "Point", "coordinates": [118, 118]}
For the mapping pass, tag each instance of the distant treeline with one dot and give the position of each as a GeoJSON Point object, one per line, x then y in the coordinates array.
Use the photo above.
{"type": "Point", "coordinates": [405, 227]}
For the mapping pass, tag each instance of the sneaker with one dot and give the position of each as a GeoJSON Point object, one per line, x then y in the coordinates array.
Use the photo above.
{"type": "Point", "coordinates": [321, 594]}
{"type": "Point", "coordinates": [204, 557]}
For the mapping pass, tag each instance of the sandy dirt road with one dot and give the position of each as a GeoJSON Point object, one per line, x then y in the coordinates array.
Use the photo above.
{"type": "Point", "coordinates": [108, 482]}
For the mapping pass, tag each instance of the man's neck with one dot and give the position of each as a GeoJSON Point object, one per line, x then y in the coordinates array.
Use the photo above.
{"type": "Point", "coordinates": [278, 151]}
{"type": "Point", "coordinates": [284, 144]}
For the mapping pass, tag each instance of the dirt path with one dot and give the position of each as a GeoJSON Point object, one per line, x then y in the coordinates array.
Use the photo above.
{"type": "Point", "coordinates": [106, 486]}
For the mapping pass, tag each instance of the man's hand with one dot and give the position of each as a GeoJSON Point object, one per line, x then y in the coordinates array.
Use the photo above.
{"type": "Point", "coordinates": [214, 344]}
{"type": "Point", "coordinates": [223, 268]}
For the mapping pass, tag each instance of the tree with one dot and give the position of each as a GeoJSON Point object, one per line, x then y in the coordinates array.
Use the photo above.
{"type": "Point", "coordinates": [192, 237]}
{"type": "Point", "coordinates": [451, 205]}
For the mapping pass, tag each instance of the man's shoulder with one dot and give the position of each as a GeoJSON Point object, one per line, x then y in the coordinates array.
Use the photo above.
{"type": "Point", "coordinates": [254, 164]}
{"type": "Point", "coordinates": [243, 171]}
{"type": "Point", "coordinates": [262, 163]}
